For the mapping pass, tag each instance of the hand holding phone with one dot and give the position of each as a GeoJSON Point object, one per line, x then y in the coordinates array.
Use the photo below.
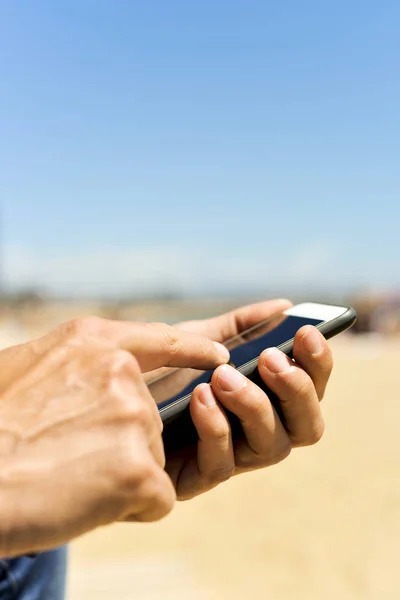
{"type": "Point", "coordinates": [201, 439]}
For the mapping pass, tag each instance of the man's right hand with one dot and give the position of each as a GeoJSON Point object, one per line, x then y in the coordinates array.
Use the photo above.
{"type": "Point", "coordinates": [80, 434]}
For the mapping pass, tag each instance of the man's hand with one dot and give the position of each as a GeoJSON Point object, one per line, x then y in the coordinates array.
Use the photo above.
{"type": "Point", "coordinates": [299, 386]}
{"type": "Point", "coordinates": [80, 434]}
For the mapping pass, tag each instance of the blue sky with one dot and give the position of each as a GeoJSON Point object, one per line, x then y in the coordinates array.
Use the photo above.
{"type": "Point", "coordinates": [200, 145]}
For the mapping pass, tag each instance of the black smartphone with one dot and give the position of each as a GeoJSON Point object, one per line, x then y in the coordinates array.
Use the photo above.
{"type": "Point", "coordinates": [172, 392]}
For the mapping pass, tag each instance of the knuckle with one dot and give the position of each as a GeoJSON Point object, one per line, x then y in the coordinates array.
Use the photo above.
{"type": "Point", "coordinates": [146, 473]}
{"type": "Point", "coordinates": [312, 436]}
{"type": "Point", "coordinates": [282, 452]}
{"type": "Point", "coordinates": [135, 411]}
{"type": "Point", "coordinates": [169, 337]}
{"type": "Point", "coordinates": [121, 381]}
{"type": "Point", "coordinates": [121, 362]}
{"type": "Point", "coordinates": [220, 474]}
{"type": "Point", "coordinates": [141, 413]}
{"type": "Point", "coordinates": [220, 432]}
{"type": "Point", "coordinates": [59, 354]}
{"type": "Point", "coordinates": [302, 385]}
{"type": "Point", "coordinates": [133, 471]}
{"type": "Point", "coordinates": [145, 481]}
{"type": "Point", "coordinates": [268, 456]}
{"type": "Point", "coordinates": [316, 433]}
{"type": "Point", "coordinates": [258, 407]}
{"type": "Point", "coordinates": [253, 402]}
{"type": "Point", "coordinates": [82, 326]}
{"type": "Point", "coordinates": [324, 362]}
{"type": "Point", "coordinates": [329, 361]}
{"type": "Point", "coordinates": [154, 490]}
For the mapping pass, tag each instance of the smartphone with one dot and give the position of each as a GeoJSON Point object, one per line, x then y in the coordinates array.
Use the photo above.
{"type": "Point", "coordinates": [172, 392]}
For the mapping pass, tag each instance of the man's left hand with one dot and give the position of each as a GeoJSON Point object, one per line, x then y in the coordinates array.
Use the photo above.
{"type": "Point", "coordinates": [266, 440]}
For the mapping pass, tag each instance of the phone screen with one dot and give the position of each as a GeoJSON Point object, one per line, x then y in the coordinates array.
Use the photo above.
{"type": "Point", "coordinates": [243, 348]}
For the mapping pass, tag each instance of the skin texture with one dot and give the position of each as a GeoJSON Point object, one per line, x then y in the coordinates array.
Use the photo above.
{"type": "Point", "coordinates": [80, 434]}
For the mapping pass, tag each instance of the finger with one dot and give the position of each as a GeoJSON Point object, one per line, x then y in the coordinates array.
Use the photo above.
{"type": "Point", "coordinates": [312, 352]}
{"type": "Point", "coordinates": [159, 345]}
{"type": "Point", "coordinates": [215, 456]}
{"type": "Point", "coordinates": [223, 327]}
{"type": "Point", "coordinates": [213, 461]}
{"type": "Point", "coordinates": [298, 398]}
{"type": "Point", "coordinates": [153, 344]}
{"type": "Point", "coordinates": [266, 441]}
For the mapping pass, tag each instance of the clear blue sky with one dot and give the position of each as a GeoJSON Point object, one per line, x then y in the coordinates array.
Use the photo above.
{"type": "Point", "coordinates": [200, 145]}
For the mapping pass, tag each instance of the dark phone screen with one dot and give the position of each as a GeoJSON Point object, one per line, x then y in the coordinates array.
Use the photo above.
{"type": "Point", "coordinates": [243, 348]}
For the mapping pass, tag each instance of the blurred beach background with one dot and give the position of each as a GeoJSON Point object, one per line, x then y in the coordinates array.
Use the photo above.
{"type": "Point", "coordinates": [164, 161]}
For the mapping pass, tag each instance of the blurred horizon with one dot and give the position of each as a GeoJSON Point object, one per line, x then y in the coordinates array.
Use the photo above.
{"type": "Point", "coordinates": [34, 295]}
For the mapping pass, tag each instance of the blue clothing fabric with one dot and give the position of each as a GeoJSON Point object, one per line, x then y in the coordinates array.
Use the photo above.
{"type": "Point", "coordinates": [39, 577]}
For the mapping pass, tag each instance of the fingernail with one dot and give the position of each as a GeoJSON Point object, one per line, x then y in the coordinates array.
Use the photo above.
{"type": "Point", "coordinates": [222, 351]}
{"type": "Point", "coordinates": [312, 341]}
{"type": "Point", "coordinates": [206, 395]}
{"type": "Point", "coordinates": [276, 361]}
{"type": "Point", "coordinates": [229, 379]}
